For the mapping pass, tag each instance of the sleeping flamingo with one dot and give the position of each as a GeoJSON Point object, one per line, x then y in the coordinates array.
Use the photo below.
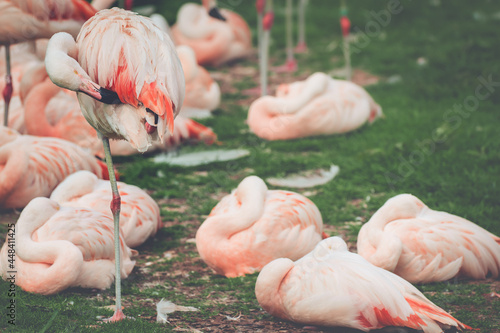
{"type": "Point", "coordinates": [33, 166]}
{"type": "Point", "coordinates": [128, 58]}
{"type": "Point", "coordinates": [331, 286]}
{"type": "Point", "coordinates": [139, 214]}
{"type": "Point", "coordinates": [214, 42]}
{"type": "Point", "coordinates": [61, 247]}
{"type": "Point", "coordinates": [319, 105]}
{"type": "Point", "coordinates": [253, 226]}
{"type": "Point", "coordinates": [202, 92]}
{"type": "Point", "coordinates": [28, 20]}
{"type": "Point", "coordinates": [423, 245]}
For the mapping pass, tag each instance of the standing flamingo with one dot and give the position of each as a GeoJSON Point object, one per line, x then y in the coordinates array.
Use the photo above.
{"type": "Point", "coordinates": [32, 166]}
{"type": "Point", "coordinates": [319, 105]}
{"type": "Point", "coordinates": [331, 286]}
{"type": "Point", "coordinates": [301, 44]}
{"type": "Point", "coordinates": [139, 214]}
{"type": "Point", "coordinates": [127, 54]}
{"type": "Point", "coordinates": [61, 247]}
{"type": "Point", "coordinates": [345, 25]}
{"type": "Point", "coordinates": [290, 64]}
{"type": "Point", "coordinates": [28, 20]}
{"type": "Point", "coordinates": [423, 245]}
{"type": "Point", "coordinates": [253, 226]}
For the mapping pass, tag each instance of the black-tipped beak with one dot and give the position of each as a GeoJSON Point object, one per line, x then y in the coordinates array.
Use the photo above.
{"type": "Point", "coordinates": [109, 97]}
{"type": "Point", "coordinates": [215, 13]}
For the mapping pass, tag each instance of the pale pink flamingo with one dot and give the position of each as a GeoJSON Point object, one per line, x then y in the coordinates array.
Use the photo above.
{"type": "Point", "coordinates": [213, 41]}
{"type": "Point", "coordinates": [331, 286]}
{"type": "Point", "coordinates": [290, 64]}
{"type": "Point", "coordinates": [139, 214]}
{"type": "Point", "coordinates": [61, 247]}
{"type": "Point", "coordinates": [28, 20]}
{"type": "Point", "coordinates": [253, 226]}
{"type": "Point", "coordinates": [319, 105]}
{"type": "Point", "coordinates": [134, 61]}
{"type": "Point", "coordinates": [423, 245]}
{"type": "Point", "coordinates": [202, 92]}
{"type": "Point", "coordinates": [301, 44]}
{"type": "Point", "coordinates": [33, 166]}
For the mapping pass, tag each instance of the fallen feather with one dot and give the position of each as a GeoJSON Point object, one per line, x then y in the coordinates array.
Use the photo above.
{"type": "Point", "coordinates": [306, 179]}
{"type": "Point", "coordinates": [200, 158]}
{"type": "Point", "coordinates": [163, 308]}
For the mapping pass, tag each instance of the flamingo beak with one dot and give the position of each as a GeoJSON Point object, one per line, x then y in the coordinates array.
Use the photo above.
{"type": "Point", "coordinates": [151, 128]}
{"type": "Point", "coordinates": [215, 13]}
{"type": "Point", "coordinates": [99, 93]}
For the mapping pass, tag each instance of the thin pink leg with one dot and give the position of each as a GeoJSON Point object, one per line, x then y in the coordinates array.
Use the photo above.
{"type": "Point", "coordinates": [290, 64]}
{"type": "Point", "coordinates": [7, 90]}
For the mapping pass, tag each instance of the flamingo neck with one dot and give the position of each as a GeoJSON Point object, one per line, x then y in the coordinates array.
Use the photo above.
{"type": "Point", "coordinates": [35, 105]}
{"type": "Point", "coordinates": [13, 165]}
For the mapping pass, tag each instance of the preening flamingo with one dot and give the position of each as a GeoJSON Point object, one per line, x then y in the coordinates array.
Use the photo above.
{"type": "Point", "coordinates": [253, 226]}
{"type": "Point", "coordinates": [139, 214]}
{"type": "Point", "coordinates": [331, 286]}
{"type": "Point", "coordinates": [319, 105]}
{"type": "Point", "coordinates": [28, 20]}
{"type": "Point", "coordinates": [423, 245]}
{"type": "Point", "coordinates": [130, 57]}
{"type": "Point", "coordinates": [33, 166]}
{"type": "Point", "coordinates": [213, 41]}
{"type": "Point", "coordinates": [61, 247]}
{"type": "Point", "coordinates": [202, 92]}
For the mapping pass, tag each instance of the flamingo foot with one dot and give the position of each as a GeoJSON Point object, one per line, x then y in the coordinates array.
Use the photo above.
{"type": "Point", "coordinates": [117, 316]}
{"type": "Point", "coordinates": [301, 48]}
{"type": "Point", "coordinates": [289, 67]}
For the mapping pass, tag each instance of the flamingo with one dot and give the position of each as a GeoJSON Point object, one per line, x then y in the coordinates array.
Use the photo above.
{"type": "Point", "coordinates": [301, 44]}
{"type": "Point", "coordinates": [319, 105]}
{"type": "Point", "coordinates": [32, 166]}
{"type": "Point", "coordinates": [253, 226]}
{"type": "Point", "coordinates": [345, 25]}
{"type": "Point", "coordinates": [128, 56]}
{"type": "Point", "coordinates": [61, 247]}
{"type": "Point", "coordinates": [331, 286]}
{"type": "Point", "coordinates": [28, 20]}
{"type": "Point", "coordinates": [290, 64]}
{"type": "Point", "coordinates": [139, 215]}
{"type": "Point", "coordinates": [423, 245]}
{"type": "Point", "coordinates": [213, 41]}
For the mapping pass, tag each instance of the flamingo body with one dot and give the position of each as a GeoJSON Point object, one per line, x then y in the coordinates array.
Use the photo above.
{"type": "Point", "coordinates": [423, 245]}
{"type": "Point", "coordinates": [331, 286]}
{"type": "Point", "coordinates": [319, 105]}
{"type": "Point", "coordinates": [61, 247]}
{"type": "Point", "coordinates": [213, 41]}
{"type": "Point", "coordinates": [139, 215]}
{"type": "Point", "coordinates": [33, 166]}
{"type": "Point", "coordinates": [253, 226]}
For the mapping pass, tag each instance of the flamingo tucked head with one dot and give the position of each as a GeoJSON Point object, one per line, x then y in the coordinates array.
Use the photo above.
{"type": "Point", "coordinates": [128, 54]}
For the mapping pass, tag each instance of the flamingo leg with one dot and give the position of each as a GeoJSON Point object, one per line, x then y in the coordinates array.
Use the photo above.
{"type": "Point", "coordinates": [7, 90]}
{"type": "Point", "coordinates": [347, 59]}
{"type": "Point", "coordinates": [301, 44]}
{"type": "Point", "coordinates": [115, 209]}
{"type": "Point", "coordinates": [290, 64]}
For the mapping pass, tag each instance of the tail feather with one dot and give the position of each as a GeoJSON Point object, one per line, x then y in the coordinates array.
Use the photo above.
{"type": "Point", "coordinates": [435, 313]}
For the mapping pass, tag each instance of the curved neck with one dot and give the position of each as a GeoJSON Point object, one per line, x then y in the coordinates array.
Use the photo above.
{"type": "Point", "coordinates": [400, 207]}
{"type": "Point", "coordinates": [13, 165]}
{"type": "Point", "coordinates": [34, 109]}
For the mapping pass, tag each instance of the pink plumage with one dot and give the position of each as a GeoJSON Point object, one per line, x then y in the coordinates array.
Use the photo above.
{"type": "Point", "coordinates": [423, 245]}
{"type": "Point", "coordinates": [253, 226]}
{"type": "Point", "coordinates": [213, 41]}
{"type": "Point", "coordinates": [33, 166]}
{"type": "Point", "coordinates": [331, 286]}
{"type": "Point", "coordinates": [61, 247]}
{"type": "Point", "coordinates": [319, 105]}
{"type": "Point", "coordinates": [139, 214]}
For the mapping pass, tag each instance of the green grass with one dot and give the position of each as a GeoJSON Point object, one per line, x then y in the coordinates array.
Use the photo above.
{"type": "Point", "coordinates": [447, 158]}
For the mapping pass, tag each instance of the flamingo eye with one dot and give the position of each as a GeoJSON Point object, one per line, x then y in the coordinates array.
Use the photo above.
{"type": "Point", "coordinates": [156, 115]}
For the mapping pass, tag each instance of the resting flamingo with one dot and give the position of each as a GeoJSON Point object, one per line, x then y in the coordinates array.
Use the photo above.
{"type": "Point", "coordinates": [331, 286]}
{"type": "Point", "coordinates": [213, 41]}
{"type": "Point", "coordinates": [253, 226]}
{"type": "Point", "coordinates": [423, 245]}
{"type": "Point", "coordinates": [202, 92]}
{"type": "Point", "coordinates": [319, 105]}
{"type": "Point", "coordinates": [32, 166]}
{"type": "Point", "coordinates": [61, 247]}
{"type": "Point", "coordinates": [44, 18]}
{"type": "Point", "coordinates": [130, 58]}
{"type": "Point", "coordinates": [139, 215]}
